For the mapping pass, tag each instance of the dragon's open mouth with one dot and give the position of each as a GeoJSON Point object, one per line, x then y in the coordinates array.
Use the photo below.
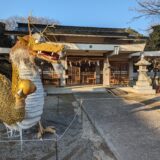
{"type": "Point", "coordinates": [51, 52]}
{"type": "Point", "coordinates": [47, 56]}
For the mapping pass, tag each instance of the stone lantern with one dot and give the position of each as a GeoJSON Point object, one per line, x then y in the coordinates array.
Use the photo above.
{"type": "Point", "coordinates": [143, 85]}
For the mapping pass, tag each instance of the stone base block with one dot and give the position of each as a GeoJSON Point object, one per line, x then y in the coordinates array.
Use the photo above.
{"type": "Point", "coordinates": [144, 90]}
{"type": "Point", "coordinates": [142, 87]}
{"type": "Point", "coordinates": [142, 83]}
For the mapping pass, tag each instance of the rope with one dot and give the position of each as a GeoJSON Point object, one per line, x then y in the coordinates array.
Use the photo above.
{"type": "Point", "coordinates": [27, 140]}
{"type": "Point", "coordinates": [45, 29]}
{"type": "Point", "coordinates": [61, 136]}
{"type": "Point", "coordinates": [42, 33]}
{"type": "Point", "coordinates": [58, 137]}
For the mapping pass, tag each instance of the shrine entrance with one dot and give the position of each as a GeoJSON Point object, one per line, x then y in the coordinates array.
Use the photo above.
{"type": "Point", "coordinates": [84, 72]}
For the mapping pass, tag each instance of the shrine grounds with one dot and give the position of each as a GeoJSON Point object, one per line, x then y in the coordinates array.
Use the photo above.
{"type": "Point", "coordinates": [109, 125]}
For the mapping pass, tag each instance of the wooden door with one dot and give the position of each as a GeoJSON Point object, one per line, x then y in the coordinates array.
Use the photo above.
{"type": "Point", "coordinates": [119, 73]}
{"type": "Point", "coordinates": [73, 75]}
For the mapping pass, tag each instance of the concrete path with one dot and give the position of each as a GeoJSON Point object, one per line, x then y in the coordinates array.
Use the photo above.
{"type": "Point", "coordinates": [131, 129]}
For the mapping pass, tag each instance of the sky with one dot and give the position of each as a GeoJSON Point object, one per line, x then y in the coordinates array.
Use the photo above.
{"type": "Point", "coordinates": [96, 13]}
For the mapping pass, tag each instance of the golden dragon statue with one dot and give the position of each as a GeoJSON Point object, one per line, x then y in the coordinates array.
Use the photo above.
{"type": "Point", "coordinates": [22, 100]}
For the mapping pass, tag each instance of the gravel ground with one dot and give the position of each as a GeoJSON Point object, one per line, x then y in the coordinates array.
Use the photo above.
{"type": "Point", "coordinates": [80, 141]}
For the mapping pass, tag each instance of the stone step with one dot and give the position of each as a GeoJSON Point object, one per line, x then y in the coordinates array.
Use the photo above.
{"type": "Point", "coordinates": [117, 91]}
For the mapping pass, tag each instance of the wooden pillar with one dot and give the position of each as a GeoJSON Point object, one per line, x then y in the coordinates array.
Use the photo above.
{"type": "Point", "coordinates": [106, 72]}
{"type": "Point", "coordinates": [63, 73]}
{"type": "Point", "coordinates": [98, 73]}
{"type": "Point", "coordinates": [130, 70]}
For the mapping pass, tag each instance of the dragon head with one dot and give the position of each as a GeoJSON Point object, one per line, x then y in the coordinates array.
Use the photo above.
{"type": "Point", "coordinates": [28, 48]}
{"type": "Point", "coordinates": [32, 46]}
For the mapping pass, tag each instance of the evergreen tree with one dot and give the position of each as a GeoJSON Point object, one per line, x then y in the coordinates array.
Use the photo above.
{"type": "Point", "coordinates": [153, 43]}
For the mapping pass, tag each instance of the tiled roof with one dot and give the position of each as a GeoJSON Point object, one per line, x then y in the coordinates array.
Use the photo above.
{"type": "Point", "coordinates": [61, 29]}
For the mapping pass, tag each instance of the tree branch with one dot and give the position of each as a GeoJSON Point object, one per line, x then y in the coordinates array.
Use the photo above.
{"type": "Point", "coordinates": [148, 8]}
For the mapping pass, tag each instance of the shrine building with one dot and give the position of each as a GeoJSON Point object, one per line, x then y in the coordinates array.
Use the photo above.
{"type": "Point", "coordinates": [94, 55]}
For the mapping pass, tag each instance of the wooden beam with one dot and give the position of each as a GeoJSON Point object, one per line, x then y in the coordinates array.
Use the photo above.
{"type": "Point", "coordinates": [85, 35]}
{"type": "Point", "coordinates": [105, 47]}
{"type": "Point", "coordinates": [4, 50]}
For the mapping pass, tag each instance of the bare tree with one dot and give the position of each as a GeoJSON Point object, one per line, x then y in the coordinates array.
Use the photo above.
{"type": "Point", "coordinates": [148, 8]}
{"type": "Point", "coordinates": [11, 22]}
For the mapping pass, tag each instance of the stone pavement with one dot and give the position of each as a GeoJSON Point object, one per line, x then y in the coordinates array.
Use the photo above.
{"type": "Point", "coordinates": [78, 142]}
{"type": "Point", "coordinates": [130, 128]}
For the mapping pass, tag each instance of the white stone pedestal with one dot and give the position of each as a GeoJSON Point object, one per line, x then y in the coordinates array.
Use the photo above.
{"type": "Point", "coordinates": [144, 89]}
{"type": "Point", "coordinates": [143, 85]}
